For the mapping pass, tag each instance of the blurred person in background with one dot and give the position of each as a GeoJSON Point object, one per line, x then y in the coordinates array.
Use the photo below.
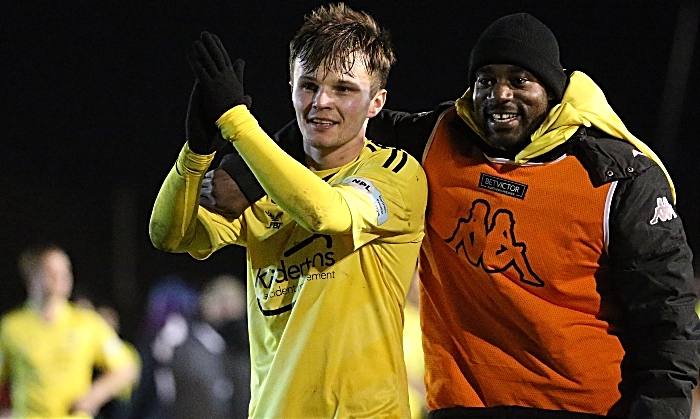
{"type": "Point", "coordinates": [195, 351]}
{"type": "Point", "coordinates": [49, 347]}
{"type": "Point", "coordinates": [211, 361]}
{"type": "Point", "coordinates": [171, 301]}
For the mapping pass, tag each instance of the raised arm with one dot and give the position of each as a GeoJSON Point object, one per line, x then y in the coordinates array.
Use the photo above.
{"type": "Point", "coordinates": [308, 199]}
{"type": "Point", "coordinates": [233, 187]}
{"type": "Point", "coordinates": [178, 223]}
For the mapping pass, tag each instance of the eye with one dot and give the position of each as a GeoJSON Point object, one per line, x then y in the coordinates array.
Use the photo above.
{"type": "Point", "coordinates": [484, 82]}
{"type": "Point", "coordinates": [344, 89]}
{"type": "Point", "coordinates": [519, 81]}
{"type": "Point", "coordinates": [308, 86]}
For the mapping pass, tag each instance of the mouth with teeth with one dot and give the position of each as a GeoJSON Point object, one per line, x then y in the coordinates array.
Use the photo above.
{"type": "Point", "coordinates": [321, 123]}
{"type": "Point", "coordinates": [503, 118]}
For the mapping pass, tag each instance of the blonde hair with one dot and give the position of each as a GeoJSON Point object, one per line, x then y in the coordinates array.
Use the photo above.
{"type": "Point", "coordinates": [335, 36]}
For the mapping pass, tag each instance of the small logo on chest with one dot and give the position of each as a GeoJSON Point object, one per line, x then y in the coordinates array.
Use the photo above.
{"type": "Point", "coordinates": [502, 186]}
{"type": "Point", "coordinates": [274, 219]}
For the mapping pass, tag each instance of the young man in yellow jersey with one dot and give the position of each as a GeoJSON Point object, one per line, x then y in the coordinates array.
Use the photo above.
{"type": "Point", "coordinates": [332, 248]}
{"type": "Point", "coordinates": [49, 347]}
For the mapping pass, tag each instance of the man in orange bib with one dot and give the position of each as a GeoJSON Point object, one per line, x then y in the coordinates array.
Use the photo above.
{"type": "Point", "coordinates": [556, 280]}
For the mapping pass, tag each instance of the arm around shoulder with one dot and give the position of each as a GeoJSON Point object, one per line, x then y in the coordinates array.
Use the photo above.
{"type": "Point", "coordinates": [408, 131]}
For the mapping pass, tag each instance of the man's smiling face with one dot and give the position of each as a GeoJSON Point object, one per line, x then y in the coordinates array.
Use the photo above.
{"type": "Point", "coordinates": [510, 104]}
{"type": "Point", "coordinates": [332, 107]}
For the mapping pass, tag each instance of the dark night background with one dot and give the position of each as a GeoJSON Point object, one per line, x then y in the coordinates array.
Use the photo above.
{"type": "Point", "coordinates": [93, 97]}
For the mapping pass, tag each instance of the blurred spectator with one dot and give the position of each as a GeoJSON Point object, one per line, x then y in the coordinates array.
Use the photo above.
{"type": "Point", "coordinates": [170, 302]}
{"type": "Point", "coordinates": [195, 366]}
{"type": "Point", "coordinates": [49, 347]}
{"type": "Point", "coordinates": [212, 363]}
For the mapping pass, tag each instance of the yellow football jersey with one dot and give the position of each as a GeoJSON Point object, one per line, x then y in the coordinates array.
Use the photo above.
{"type": "Point", "coordinates": [325, 310]}
{"type": "Point", "coordinates": [50, 365]}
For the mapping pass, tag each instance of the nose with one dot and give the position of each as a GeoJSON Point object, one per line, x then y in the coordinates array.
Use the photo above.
{"type": "Point", "coordinates": [501, 92]}
{"type": "Point", "coordinates": [322, 98]}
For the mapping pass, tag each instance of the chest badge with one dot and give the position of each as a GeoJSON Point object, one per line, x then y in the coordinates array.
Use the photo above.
{"type": "Point", "coordinates": [502, 186]}
{"type": "Point", "coordinates": [274, 219]}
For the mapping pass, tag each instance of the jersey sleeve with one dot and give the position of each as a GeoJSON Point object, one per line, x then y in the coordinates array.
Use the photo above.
{"type": "Point", "coordinates": [288, 138]}
{"type": "Point", "coordinates": [111, 353]}
{"type": "Point", "coordinates": [387, 197]}
{"type": "Point", "coordinates": [179, 224]}
{"type": "Point", "coordinates": [309, 200]}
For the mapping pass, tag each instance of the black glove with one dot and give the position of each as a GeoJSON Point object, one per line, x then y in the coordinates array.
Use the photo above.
{"type": "Point", "coordinates": [221, 82]}
{"type": "Point", "coordinates": [203, 138]}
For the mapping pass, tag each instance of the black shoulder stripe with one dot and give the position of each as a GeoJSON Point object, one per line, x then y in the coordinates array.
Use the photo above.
{"type": "Point", "coordinates": [371, 147]}
{"type": "Point", "coordinates": [402, 163]}
{"type": "Point", "coordinates": [391, 159]}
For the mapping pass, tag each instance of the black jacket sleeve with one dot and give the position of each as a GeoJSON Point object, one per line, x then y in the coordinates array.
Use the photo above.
{"type": "Point", "coordinates": [289, 139]}
{"type": "Point", "coordinates": [407, 131]}
{"type": "Point", "coordinates": [651, 270]}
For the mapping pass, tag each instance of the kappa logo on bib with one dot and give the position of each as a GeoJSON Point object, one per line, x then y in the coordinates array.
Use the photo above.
{"type": "Point", "coordinates": [491, 243]}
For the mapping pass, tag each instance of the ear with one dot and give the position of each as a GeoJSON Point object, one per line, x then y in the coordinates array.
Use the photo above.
{"type": "Point", "coordinates": [291, 86]}
{"type": "Point", "coordinates": [377, 103]}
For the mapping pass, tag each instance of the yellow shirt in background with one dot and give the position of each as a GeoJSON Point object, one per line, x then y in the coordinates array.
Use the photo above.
{"type": "Point", "coordinates": [49, 365]}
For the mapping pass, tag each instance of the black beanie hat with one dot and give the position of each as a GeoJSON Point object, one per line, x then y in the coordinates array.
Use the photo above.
{"type": "Point", "coordinates": [520, 39]}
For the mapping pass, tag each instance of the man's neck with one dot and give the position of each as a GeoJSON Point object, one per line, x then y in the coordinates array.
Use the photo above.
{"type": "Point", "coordinates": [322, 158]}
{"type": "Point", "coordinates": [49, 307]}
